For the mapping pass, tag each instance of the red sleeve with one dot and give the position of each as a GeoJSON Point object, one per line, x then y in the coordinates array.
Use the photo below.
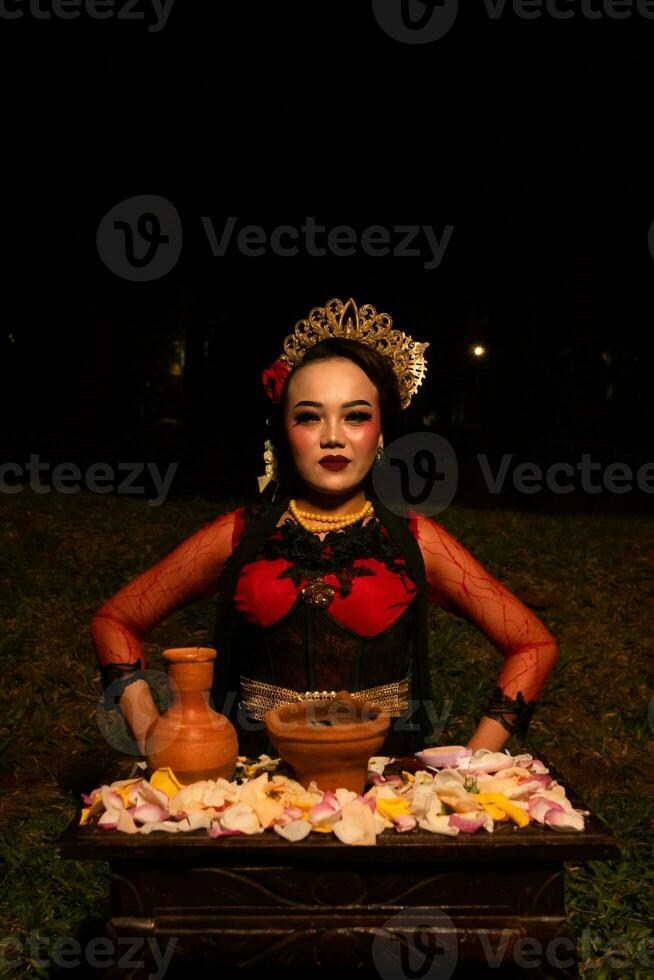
{"type": "Point", "coordinates": [189, 573]}
{"type": "Point", "coordinates": [239, 524]}
{"type": "Point", "coordinates": [457, 582]}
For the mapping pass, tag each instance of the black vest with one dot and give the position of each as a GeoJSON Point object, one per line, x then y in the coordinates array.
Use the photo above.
{"type": "Point", "coordinates": [409, 733]}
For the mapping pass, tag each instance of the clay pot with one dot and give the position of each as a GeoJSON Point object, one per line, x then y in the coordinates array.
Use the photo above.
{"type": "Point", "coordinates": [329, 741]}
{"type": "Point", "coordinates": [191, 738]}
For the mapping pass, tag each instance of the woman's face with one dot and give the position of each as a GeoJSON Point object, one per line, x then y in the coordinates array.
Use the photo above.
{"type": "Point", "coordinates": [332, 409]}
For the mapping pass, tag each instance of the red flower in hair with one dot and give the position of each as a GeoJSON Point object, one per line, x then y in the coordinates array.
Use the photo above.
{"type": "Point", "coordinates": [274, 379]}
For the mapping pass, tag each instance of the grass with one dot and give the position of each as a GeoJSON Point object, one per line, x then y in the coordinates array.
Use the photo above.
{"type": "Point", "coordinates": [589, 578]}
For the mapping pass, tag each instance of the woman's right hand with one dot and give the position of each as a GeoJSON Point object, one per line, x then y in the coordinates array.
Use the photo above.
{"type": "Point", "coordinates": [189, 573]}
{"type": "Point", "coordinates": [140, 711]}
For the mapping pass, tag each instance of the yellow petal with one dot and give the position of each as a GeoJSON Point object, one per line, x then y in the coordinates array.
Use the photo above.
{"type": "Point", "coordinates": [495, 812]}
{"type": "Point", "coordinates": [519, 816]}
{"type": "Point", "coordinates": [322, 828]}
{"type": "Point", "coordinates": [124, 792]}
{"type": "Point", "coordinates": [90, 811]}
{"type": "Point", "coordinates": [393, 808]}
{"type": "Point", "coordinates": [166, 780]}
{"type": "Point", "coordinates": [302, 804]}
{"type": "Point", "coordinates": [409, 775]}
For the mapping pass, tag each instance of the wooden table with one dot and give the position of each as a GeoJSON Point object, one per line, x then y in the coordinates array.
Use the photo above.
{"type": "Point", "coordinates": [412, 905]}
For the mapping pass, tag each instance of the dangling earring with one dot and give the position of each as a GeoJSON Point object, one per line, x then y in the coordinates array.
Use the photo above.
{"type": "Point", "coordinates": [379, 455]}
{"type": "Point", "coordinates": [271, 473]}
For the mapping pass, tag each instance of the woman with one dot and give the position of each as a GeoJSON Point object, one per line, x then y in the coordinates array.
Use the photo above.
{"type": "Point", "coordinates": [322, 587]}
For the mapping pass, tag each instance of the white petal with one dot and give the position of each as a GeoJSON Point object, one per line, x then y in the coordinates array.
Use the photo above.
{"type": "Point", "coordinates": [294, 831]}
{"type": "Point", "coordinates": [438, 824]}
{"type": "Point", "coordinates": [196, 821]}
{"type": "Point", "coordinates": [241, 817]}
{"type": "Point", "coordinates": [564, 820]}
{"type": "Point", "coordinates": [109, 819]}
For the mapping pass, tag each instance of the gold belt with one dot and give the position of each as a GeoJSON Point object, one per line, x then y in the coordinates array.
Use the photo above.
{"type": "Point", "coordinates": [259, 697]}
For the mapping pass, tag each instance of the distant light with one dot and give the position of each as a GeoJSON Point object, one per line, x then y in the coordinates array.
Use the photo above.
{"type": "Point", "coordinates": [11, 338]}
{"type": "Point", "coordinates": [478, 350]}
{"type": "Point", "coordinates": [179, 347]}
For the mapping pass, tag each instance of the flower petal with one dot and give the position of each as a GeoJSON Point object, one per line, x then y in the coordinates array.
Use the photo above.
{"type": "Point", "coordinates": [166, 780]}
{"type": "Point", "coordinates": [564, 819]}
{"type": "Point", "coordinates": [240, 816]}
{"type": "Point", "coordinates": [148, 813]}
{"type": "Point", "coordinates": [294, 831]}
{"type": "Point", "coordinates": [109, 820]}
{"type": "Point", "coordinates": [357, 824]}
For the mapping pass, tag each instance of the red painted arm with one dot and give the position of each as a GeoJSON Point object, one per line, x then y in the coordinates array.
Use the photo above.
{"type": "Point", "coordinates": [461, 585]}
{"type": "Point", "coordinates": [187, 574]}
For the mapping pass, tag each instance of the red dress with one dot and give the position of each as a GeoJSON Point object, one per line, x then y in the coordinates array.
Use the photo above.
{"type": "Point", "coordinates": [366, 635]}
{"type": "Point", "coordinates": [360, 640]}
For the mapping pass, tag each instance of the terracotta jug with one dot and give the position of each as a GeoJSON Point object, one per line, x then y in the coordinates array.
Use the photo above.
{"type": "Point", "coordinates": [191, 738]}
{"type": "Point", "coordinates": [329, 741]}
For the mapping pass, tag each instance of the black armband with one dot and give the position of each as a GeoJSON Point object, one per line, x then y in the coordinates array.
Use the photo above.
{"type": "Point", "coordinates": [500, 704]}
{"type": "Point", "coordinates": [116, 677]}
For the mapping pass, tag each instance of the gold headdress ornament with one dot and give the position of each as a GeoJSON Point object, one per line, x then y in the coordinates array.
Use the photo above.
{"type": "Point", "coordinates": [338, 319]}
{"type": "Point", "coordinates": [365, 324]}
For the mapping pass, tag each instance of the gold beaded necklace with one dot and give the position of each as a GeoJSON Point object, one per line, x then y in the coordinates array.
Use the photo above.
{"type": "Point", "coordinates": [328, 522]}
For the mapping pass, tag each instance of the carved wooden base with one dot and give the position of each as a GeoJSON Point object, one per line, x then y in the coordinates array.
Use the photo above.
{"type": "Point", "coordinates": [397, 922]}
{"type": "Point", "coordinates": [414, 905]}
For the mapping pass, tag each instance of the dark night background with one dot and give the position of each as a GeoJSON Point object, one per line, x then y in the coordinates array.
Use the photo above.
{"type": "Point", "coordinates": [530, 137]}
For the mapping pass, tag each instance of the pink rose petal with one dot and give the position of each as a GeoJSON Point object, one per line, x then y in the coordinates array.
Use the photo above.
{"type": "Point", "coordinates": [149, 813]}
{"type": "Point", "coordinates": [405, 822]}
{"type": "Point", "coordinates": [467, 826]}
{"type": "Point", "coordinates": [560, 819]}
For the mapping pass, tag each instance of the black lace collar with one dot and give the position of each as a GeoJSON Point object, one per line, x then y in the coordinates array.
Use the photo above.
{"type": "Point", "coordinates": [310, 557]}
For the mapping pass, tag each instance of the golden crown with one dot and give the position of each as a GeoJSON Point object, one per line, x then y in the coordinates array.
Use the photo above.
{"type": "Point", "coordinates": [338, 319]}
